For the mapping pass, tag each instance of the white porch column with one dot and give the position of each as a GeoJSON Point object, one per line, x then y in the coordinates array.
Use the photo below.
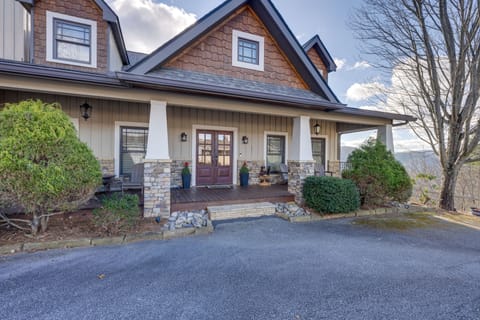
{"type": "Point", "coordinates": [300, 164]}
{"type": "Point", "coordinates": [157, 165]}
{"type": "Point", "coordinates": [157, 148]}
{"type": "Point", "coordinates": [301, 145]}
{"type": "Point", "coordinates": [385, 135]}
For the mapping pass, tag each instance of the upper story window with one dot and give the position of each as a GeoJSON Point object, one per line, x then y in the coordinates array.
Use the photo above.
{"type": "Point", "coordinates": [248, 50]}
{"type": "Point", "coordinates": [71, 40]}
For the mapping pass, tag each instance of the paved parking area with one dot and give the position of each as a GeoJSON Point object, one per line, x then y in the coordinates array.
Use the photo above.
{"type": "Point", "coordinates": [260, 269]}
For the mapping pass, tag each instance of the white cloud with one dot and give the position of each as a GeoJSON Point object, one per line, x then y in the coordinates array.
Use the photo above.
{"type": "Point", "coordinates": [360, 65]}
{"type": "Point", "coordinates": [364, 91]}
{"type": "Point", "coordinates": [146, 25]}
{"type": "Point", "coordinates": [340, 63]}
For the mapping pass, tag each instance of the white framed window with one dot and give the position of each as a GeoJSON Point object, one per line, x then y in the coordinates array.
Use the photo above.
{"type": "Point", "coordinates": [130, 145]}
{"type": "Point", "coordinates": [248, 50]}
{"type": "Point", "coordinates": [71, 40]}
{"type": "Point", "coordinates": [275, 150]}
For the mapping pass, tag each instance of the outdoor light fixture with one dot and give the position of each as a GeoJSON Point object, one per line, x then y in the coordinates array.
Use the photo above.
{"type": "Point", "coordinates": [183, 137]}
{"type": "Point", "coordinates": [316, 129]}
{"type": "Point", "coordinates": [245, 140]}
{"type": "Point", "coordinates": [86, 111]}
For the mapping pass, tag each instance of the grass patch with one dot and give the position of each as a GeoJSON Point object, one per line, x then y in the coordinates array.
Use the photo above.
{"type": "Point", "coordinates": [400, 222]}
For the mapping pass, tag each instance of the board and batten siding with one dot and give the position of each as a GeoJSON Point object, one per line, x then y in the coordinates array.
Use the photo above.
{"type": "Point", "coordinates": [13, 19]}
{"type": "Point", "coordinates": [99, 131]}
{"type": "Point", "coordinates": [254, 126]}
{"type": "Point", "coordinates": [328, 130]}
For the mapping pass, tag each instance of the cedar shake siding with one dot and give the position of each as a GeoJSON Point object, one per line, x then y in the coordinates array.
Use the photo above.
{"type": "Point", "coordinates": [213, 54]}
{"type": "Point", "coordinates": [317, 61]}
{"type": "Point", "coordinates": [86, 9]}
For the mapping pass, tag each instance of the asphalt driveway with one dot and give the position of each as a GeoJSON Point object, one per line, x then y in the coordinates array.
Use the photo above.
{"type": "Point", "coordinates": [263, 269]}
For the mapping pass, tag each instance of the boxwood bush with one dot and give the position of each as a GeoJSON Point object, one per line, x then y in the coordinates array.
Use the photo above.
{"type": "Point", "coordinates": [331, 195]}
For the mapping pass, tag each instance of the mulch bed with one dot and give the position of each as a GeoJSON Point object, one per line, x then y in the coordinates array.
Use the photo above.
{"type": "Point", "coordinates": [68, 226]}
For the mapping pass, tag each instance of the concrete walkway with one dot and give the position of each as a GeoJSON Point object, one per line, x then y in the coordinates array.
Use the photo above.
{"type": "Point", "coordinates": [261, 269]}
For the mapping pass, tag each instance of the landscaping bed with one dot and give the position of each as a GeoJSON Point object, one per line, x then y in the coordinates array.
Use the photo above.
{"type": "Point", "coordinates": [69, 226]}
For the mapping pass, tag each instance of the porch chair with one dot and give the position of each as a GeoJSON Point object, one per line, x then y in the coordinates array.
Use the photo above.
{"type": "Point", "coordinates": [284, 173]}
{"type": "Point", "coordinates": [320, 170]}
{"type": "Point", "coordinates": [136, 179]}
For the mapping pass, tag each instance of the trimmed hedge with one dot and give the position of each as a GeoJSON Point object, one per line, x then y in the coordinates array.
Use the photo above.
{"type": "Point", "coordinates": [331, 195]}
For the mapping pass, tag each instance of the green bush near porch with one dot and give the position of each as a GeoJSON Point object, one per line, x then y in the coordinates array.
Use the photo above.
{"type": "Point", "coordinates": [378, 175]}
{"type": "Point", "coordinates": [117, 214]}
{"type": "Point", "coordinates": [331, 195]}
{"type": "Point", "coordinates": [44, 167]}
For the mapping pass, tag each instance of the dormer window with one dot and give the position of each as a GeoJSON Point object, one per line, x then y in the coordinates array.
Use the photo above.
{"type": "Point", "coordinates": [71, 40]}
{"type": "Point", "coordinates": [247, 51]}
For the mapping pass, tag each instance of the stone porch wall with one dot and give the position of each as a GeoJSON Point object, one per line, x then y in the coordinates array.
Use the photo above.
{"type": "Point", "coordinates": [107, 166]}
{"type": "Point", "coordinates": [297, 172]}
{"type": "Point", "coordinates": [156, 195]}
{"type": "Point", "coordinates": [176, 171]}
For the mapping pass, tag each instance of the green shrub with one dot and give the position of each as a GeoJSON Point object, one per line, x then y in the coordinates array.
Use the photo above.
{"type": "Point", "coordinates": [331, 195]}
{"type": "Point", "coordinates": [44, 167]}
{"type": "Point", "coordinates": [379, 177]}
{"type": "Point", "coordinates": [117, 214]}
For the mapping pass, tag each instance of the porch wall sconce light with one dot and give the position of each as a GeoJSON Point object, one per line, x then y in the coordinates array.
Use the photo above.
{"type": "Point", "coordinates": [86, 111]}
{"type": "Point", "coordinates": [245, 140]}
{"type": "Point", "coordinates": [316, 129]}
{"type": "Point", "coordinates": [183, 137]}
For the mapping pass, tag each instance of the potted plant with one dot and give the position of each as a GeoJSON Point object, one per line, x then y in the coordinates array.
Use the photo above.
{"type": "Point", "coordinates": [186, 176]}
{"type": "Point", "coordinates": [244, 175]}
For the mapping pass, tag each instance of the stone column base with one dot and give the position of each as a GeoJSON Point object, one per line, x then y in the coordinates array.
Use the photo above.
{"type": "Point", "coordinates": [297, 172]}
{"type": "Point", "coordinates": [156, 183]}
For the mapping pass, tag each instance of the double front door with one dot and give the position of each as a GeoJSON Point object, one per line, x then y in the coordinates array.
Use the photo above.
{"type": "Point", "coordinates": [214, 157]}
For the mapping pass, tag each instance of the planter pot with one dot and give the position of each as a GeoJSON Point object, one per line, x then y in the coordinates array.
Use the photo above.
{"type": "Point", "coordinates": [186, 179]}
{"type": "Point", "coordinates": [476, 211]}
{"type": "Point", "coordinates": [244, 179]}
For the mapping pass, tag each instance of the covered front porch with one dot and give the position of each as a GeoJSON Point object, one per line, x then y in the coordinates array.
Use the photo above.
{"type": "Point", "coordinates": [198, 198]}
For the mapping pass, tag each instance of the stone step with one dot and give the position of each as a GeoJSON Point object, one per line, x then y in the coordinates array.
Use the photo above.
{"type": "Point", "coordinates": [243, 210]}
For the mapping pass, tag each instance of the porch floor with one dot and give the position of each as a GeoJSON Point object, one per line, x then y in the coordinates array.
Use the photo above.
{"type": "Point", "coordinates": [198, 198]}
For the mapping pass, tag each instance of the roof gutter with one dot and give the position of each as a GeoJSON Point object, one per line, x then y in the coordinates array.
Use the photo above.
{"type": "Point", "coordinates": [50, 73]}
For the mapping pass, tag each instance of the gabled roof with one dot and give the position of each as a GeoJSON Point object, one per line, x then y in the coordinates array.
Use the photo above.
{"type": "Point", "coordinates": [322, 51]}
{"type": "Point", "coordinates": [108, 15]}
{"type": "Point", "coordinates": [275, 25]}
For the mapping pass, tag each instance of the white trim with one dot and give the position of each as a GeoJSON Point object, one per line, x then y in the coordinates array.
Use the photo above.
{"type": "Point", "coordinates": [93, 39]}
{"type": "Point", "coordinates": [118, 124]}
{"type": "Point", "coordinates": [236, 142]}
{"type": "Point", "coordinates": [274, 133]}
{"type": "Point", "coordinates": [322, 136]}
{"type": "Point", "coordinates": [158, 148]}
{"type": "Point", "coordinates": [261, 50]}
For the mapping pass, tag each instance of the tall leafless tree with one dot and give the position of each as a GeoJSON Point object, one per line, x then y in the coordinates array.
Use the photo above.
{"type": "Point", "coordinates": [431, 49]}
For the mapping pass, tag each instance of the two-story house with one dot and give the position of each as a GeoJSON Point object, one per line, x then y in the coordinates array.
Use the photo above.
{"type": "Point", "coordinates": [235, 87]}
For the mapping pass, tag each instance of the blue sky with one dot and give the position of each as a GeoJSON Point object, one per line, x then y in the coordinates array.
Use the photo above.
{"type": "Point", "coordinates": [328, 18]}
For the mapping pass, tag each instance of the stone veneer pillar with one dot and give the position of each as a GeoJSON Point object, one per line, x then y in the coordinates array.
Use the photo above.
{"type": "Point", "coordinates": [297, 172]}
{"type": "Point", "coordinates": [156, 193]}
